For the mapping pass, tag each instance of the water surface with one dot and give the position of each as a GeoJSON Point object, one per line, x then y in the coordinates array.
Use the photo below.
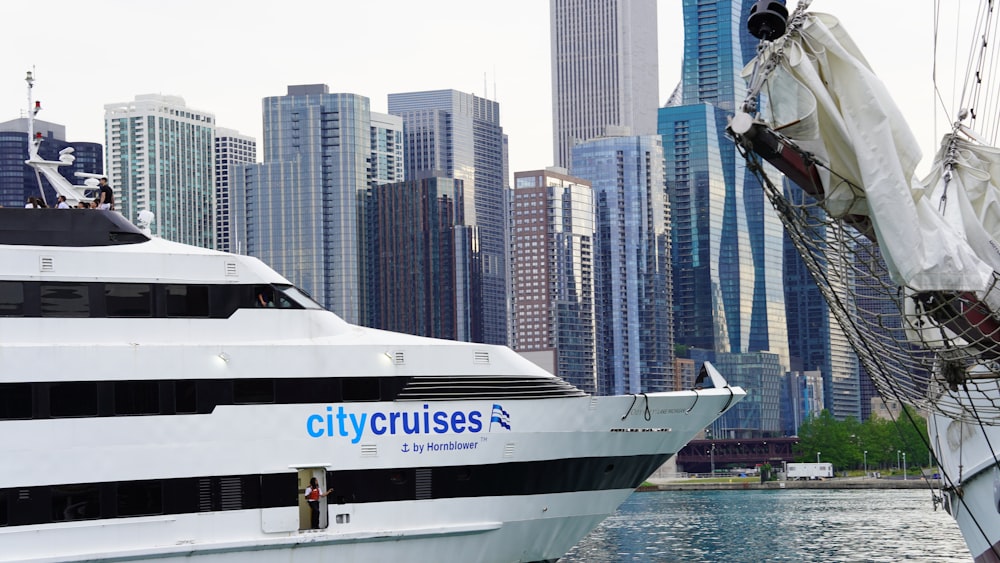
{"type": "Point", "coordinates": [793, 525]}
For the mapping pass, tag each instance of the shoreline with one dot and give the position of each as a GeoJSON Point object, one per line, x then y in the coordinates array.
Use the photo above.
{"type": "Point", "coordinates": [834, 483]}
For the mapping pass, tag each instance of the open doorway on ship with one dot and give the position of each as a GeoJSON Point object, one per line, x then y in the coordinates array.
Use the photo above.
{"type": "Point", "coordinates": [312, 503]}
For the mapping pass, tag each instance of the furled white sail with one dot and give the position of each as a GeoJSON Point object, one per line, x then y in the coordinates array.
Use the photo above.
{"type": "Point", "coordinates": [826, 98]}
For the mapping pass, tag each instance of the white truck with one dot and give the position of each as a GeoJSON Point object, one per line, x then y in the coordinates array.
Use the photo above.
{"type": "Point", "coordinates": [809, 471]}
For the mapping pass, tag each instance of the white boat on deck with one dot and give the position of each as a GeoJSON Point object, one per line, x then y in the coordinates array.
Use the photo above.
{"type": "Point", "coordinates": [151, 408]}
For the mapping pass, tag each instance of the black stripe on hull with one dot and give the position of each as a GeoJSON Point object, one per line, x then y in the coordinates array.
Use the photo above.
{"type": "Point", "coordinates": [21, 506]}
{"type": "Point", "coordinates": [495, 480]}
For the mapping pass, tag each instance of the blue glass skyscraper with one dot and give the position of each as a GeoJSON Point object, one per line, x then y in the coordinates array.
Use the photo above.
{"type": "Point", "coordinates": [456, 135]}
{"type": "Point", "coordinates": [727, 251]}
{"type": "Point", "coordinates": [304, 206]}
{"type": "Point", "coordinates": [635, 343]}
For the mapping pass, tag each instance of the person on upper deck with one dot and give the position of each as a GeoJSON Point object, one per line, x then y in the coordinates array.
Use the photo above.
{"type": "Point", "coordinates": [107, 195]}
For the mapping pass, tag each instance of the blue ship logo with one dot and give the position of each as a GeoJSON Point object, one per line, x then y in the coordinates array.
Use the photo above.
{"type": "Point", "coordinates": [500, 417]}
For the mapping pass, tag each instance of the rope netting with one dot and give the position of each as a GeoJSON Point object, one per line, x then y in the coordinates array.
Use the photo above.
{"type": "Point", "coordinates": [934, 350]}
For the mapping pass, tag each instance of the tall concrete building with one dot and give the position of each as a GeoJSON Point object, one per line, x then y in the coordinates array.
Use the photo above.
{"type": "Point", "coordinates": [634, 317]}
{"type": "Point", "coordinates": [452, 134]}
{"type": "Point", "coordinates": [727, 252]}
{"type": "Point", "coordinates": [552, 274]}
{"type": "Point", "coordinates": [160, 157]}
{"type": "Point", "coordinates": [18, 180]}
{"type": "Point", "coordinates": [304, 209]}
{"type": "Point", "coordinates": [605, 78]}
{"type": "Point", "coordinates": [232, 149]}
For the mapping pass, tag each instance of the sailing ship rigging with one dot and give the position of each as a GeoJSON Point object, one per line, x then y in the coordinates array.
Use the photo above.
{"type": "Point", "coordinates": [908, 265]}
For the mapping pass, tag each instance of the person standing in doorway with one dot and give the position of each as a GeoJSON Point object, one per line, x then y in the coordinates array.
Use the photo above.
{"type": "Point", "coordinates": [107, 195]}
{"type": "Point", "coordinates": [313, 494]}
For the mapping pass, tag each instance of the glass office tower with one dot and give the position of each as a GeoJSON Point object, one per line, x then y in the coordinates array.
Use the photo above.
{"type": "Point", "coordinates": [635, 341]}
{"type": "Point", "coordinates": [421, 256]}
{"type": "Point", "coordinates": [727, 252]}
{"type": "Point", "coordinates": [456, 135]}
{"type": "Point", "coordinates": [304, 206]}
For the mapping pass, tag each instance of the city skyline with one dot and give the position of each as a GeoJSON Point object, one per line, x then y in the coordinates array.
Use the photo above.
{"type": "Point", "coordinates": [507, 59]}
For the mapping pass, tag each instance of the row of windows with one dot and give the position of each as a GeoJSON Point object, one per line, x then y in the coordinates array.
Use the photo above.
{"type": "Point", "coordinates": [67, 399]}
{"type": "Point", "coordinates": [79, 299]}
{"type": "Point", "coordinates": [91, 501]}
{"type": "Point", "coordinates": [88, 501]}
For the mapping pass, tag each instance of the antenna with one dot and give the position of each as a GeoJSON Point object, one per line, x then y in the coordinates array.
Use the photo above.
{"type": "Point", "coordinates": [486, 92]}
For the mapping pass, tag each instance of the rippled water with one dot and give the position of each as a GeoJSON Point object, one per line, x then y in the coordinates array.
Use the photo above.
{"type": "Point", "coordinates": [775, 525]}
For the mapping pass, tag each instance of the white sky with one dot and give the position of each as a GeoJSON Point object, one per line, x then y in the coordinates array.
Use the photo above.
{"type": "Point", "coordinates": [224, 56]}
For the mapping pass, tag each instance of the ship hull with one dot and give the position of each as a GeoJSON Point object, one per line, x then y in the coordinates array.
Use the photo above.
{"type": "Point", "coordinates": [963, 450]}
{"type": "Point", "coordinates": [525, 494]}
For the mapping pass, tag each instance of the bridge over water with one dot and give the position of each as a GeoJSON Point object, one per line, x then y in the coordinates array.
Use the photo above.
{"type": "Point", "coordinates": [699, 456]}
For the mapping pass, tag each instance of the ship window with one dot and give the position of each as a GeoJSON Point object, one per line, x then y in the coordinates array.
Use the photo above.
{"type": "Point", "coordinates": [128, 299]}
{"type": "Point", "coordinates": [75, 398]}
{"type": "Point", "coordinates": [187, 300]}
{"type": "Point", "coordinates": [360, 389]}
{"type": "Point", "coordinates": [65, 300]}
{"type": "Point", "coordinates": [11, 299]}
{"type": "Point", "coordinates": [76, 502]}
{"type": "Point", "coordinates": [300, 297]}
{"type": "Point", "coordinates": [15, 400]}
{"type": "Point", "coordinates": [140, 498]}
{"type": "Point", "coordinates": [137, 397]}
{"type": "Point", "coordinates": [186, 396]}
{"type": "Point", "coordinates": [250, 391]}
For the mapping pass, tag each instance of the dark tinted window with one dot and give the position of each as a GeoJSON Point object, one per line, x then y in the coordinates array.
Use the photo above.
{"type": "Point", "coordinates": [65, 300]}
{"type": "Point", "coordinates": [15, 400]}
{"type": "Point", "coordinates": [253, 391]}
{"type": "Point", "coordinates": [137, 397]}
{"type": "Point", "coordinates": [128, 299]}
{"type": "Point", "coordinates": [3, 508]}
{"type": "Point", "coordinates": [76, 502]}
{"type": "Point", "coordinates": [187, 300]}
{"type": "Point", "coordinates": [186, 396]}
{"type": "Point", "coordinates": [76, 398]}
{"type": "Point", "coordinates": [361, 389]}
{"type": "Point", "coordinates": [140, 498]}
{"type": "Point", "coordinates": [11, 299]}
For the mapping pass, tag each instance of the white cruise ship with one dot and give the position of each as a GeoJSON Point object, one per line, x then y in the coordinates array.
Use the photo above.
{"type": "Point", "coordinates": [151, 408]}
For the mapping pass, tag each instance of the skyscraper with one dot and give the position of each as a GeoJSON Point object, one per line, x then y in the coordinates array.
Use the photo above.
{"type": "Point", "coordinates": [815, 339]}
{"type": "Point", "coordinates": [231, 150]}
{"type": "Point", "coordinates": [727, 251]}
{"type": "Point", "coordinates": [759, 414]}
{"type": "Point", "coordinates": [18, 180]}
{"type": "Point", "coordinates": [605, 77]}
{"type": "Point", "coordinates": [304, 207]}
{"type": "Point", "coordinates": [552, 274]}
{"type": "Point", "coordinates": [635, 341]}
{"type": "Point", "coordinates": [456, 135]}
{"type": "Point", "coordinates": [160, 156]}
{"type": "Point", "coordinates": [422, 252]}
